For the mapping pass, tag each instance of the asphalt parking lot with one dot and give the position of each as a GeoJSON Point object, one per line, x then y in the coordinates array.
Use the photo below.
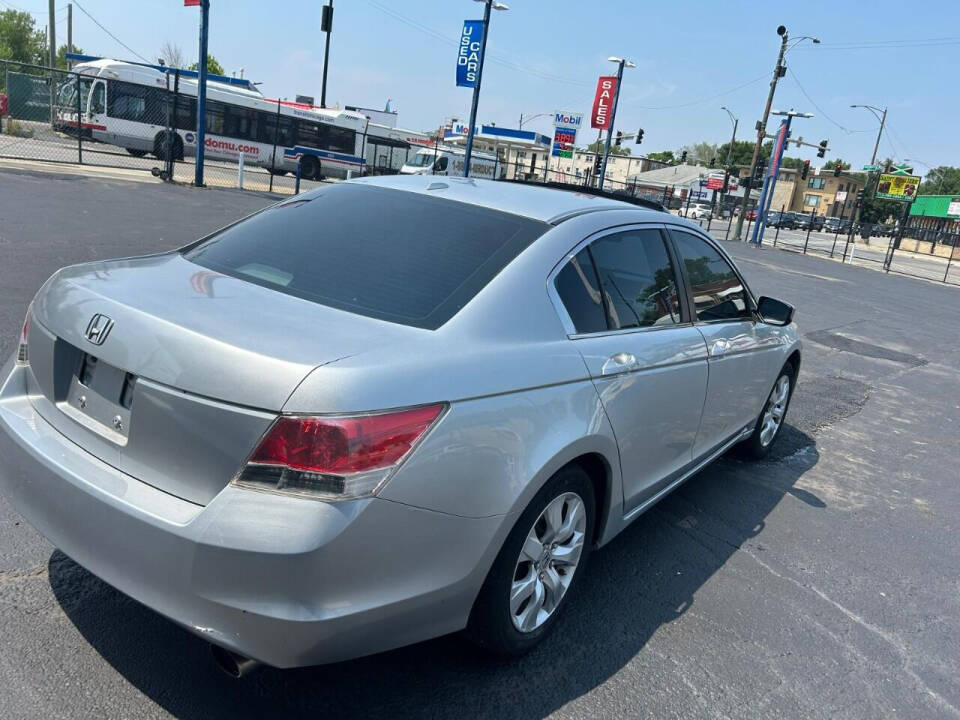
{"type": "Point", "coordinates": [823, 582]}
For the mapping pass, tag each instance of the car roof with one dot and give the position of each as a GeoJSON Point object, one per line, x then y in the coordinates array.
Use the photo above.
{"type": "Point", "coordinates": [544, 204]}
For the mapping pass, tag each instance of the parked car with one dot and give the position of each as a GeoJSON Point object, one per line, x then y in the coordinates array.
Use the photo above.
{"type": "Point", "coordinates": [805, 220]}
{"type": "Point", "coordinates": [782, 220]}
{"type": "Point", "coordinates": [327, 430]}
{"type": "Point", "coordinates": [751, 215]}
{"type": "Point", "coordinates": [835, 224]}
{"type": "Point", "coordinates": [698, 211]}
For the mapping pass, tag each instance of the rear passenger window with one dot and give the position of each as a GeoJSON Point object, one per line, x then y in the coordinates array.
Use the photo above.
{"type": "Point", "coordinates": [637, 280]}
{"type": "Point", "coordinates": [578, 288]}
{"type": "Point", "coordinates": [718, 293]}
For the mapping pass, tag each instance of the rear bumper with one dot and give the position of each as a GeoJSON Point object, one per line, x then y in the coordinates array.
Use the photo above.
{"type": "Point", "coordinates": [286, 581]}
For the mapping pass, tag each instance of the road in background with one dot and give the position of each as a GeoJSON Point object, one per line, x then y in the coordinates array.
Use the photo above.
{"type": "Point", "coordinates": [821, 583]}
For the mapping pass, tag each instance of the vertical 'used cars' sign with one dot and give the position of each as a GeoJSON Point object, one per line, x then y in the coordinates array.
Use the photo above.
{"type": "Point", "coordinates": [603, 102]}
{"type": "Point", "coordinates": [468, 55]}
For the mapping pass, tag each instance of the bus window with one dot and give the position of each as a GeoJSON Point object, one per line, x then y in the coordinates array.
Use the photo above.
{"type": "Point", "coordinates": [240, 123]}
{"type": "Point", "coordinates": [186, 113]}
{"type": "Point", "coordinates": [287, 132]}
{"type": "Point", "coordinates": [340, 139]}
{"type": "Point", "coordinates": [215, 117]}
{"type": "Point", "coordinates": [310, 134]}
{"type": "Point", "coordinates": [128, 101]}
{"type": "Point", "coordinates": [97, 101]}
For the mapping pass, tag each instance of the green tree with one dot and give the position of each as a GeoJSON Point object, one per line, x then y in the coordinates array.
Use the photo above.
{"type": "Point", "coordinates": [665, 156]}
{"type": "Point", "coordinates": [701, 153]}
{"type": "Point", "coordinates": [19, 40]}
{"type": "Point", "coordinates": [62, 55]}
{"type": "Point", "coordinates": [943, 180]}
{"type": "Point", "coordinates": [742, 152]}
{"type": "Point", "coordinates": [831, 164]}
{"type": "Point", "coordinates": [597, 147]}
{"type": "Point", "coordinates": [213, 66]}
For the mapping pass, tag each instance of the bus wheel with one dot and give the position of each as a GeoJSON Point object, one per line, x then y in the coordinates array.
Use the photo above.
{"type": "Point", "coordinates": [309, 168]}
{"type": "Point", "coordinates": [160, 146]}
{"type": "Point", "coordinates": [136, 153]}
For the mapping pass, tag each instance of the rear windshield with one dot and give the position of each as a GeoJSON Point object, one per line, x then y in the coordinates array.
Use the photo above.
{"type": "Point", "coordinates": [390, 254]}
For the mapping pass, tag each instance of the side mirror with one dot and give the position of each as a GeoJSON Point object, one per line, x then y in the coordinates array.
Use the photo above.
{"type": "Point", "coordinates": [774, 312]}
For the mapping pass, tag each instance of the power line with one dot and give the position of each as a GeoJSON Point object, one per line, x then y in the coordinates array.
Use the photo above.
{"type": "Point", "coordinates": [823, 112]}
{"type": "Point", "coordinates": [492, 57]}
{"type": "Point", "coordinates": [118, 40]}
{"type": "Point", "coordinates": [702, 100]}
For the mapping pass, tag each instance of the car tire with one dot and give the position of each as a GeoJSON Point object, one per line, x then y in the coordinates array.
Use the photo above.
{"type": "Point", "coordinates": [495, 617]}
{"type": "Point", "coordinates": [775, 407]}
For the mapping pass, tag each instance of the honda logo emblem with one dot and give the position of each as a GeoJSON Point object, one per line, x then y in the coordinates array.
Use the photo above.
{"type": "Point", "coordinates": [98, 329]}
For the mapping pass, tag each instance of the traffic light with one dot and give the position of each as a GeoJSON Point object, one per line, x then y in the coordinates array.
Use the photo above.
{"type": "Point", "coordinates": [726, 181]}
{"type": "Point", "coordinates": [619, 139]}
{"type": "Point", "coordinates": [639, 136]}
{"type": "Point", "coordinates": [597, 163]}
{"type": "Point", "coordinates": [758, 175]}
{"type": "Point", "coordinates": [806, 170]}
{"type": "Point", "coordinates": [683, 157]}
{"type": "Point", "coordinates": [822, 152]}
{"type": "Point", "coordinates": [859, 197]}
{"type": "Point", "coordinates": [837, 168]}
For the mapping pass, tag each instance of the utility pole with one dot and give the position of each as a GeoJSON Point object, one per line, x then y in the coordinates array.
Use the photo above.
{"type": "Point", "coordinates": [52, 39]}
{"type": "Point", "coordinates": [778, 70]}
{"type": "Point", "coordinates": [69, 29]}
{"type": "Point", "coordinates": [858, 209]}
{"type": "Point", "coordinates": [876, 145]}
{"type": "Point", "coordinates": [621, 62]}
{"type": "Point", "coordinates": [733, 139]}
{"type": "Point", "coordinates": [326, 25]}
{"type": "Point", "coordinates": [201, 93]}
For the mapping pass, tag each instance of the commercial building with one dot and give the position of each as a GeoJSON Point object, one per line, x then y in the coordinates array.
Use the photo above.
{"type": "Point", "coordinates": [822, 194]}
{"type": "Point", "coordinates": [935, 218]}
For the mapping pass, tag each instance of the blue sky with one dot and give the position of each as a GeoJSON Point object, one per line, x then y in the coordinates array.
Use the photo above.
{"type": "Point", "coordinates": [545, 56]}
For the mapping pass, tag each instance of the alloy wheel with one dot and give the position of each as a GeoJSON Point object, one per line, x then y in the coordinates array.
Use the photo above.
{"type": "Point", "coordinates": [548, 561]}
{"type": "Point", "coordinates": [775, 410]}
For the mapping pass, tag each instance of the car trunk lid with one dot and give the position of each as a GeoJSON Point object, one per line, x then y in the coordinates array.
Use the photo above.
{"type": "Point", "coordinates": [172, 372]}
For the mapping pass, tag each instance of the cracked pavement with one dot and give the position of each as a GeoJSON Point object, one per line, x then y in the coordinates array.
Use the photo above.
{"type": "Point", "coordinates": [823, 582]}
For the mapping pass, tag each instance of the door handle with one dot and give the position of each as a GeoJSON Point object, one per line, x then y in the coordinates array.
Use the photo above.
{"type": "Point", "coordinates": [719, 347]}
{"type": "Point", "coordinates": [621, 362]}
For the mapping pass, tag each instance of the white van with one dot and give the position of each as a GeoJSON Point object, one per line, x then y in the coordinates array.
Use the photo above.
{"type": "Point", "coordinates": [449, 161]}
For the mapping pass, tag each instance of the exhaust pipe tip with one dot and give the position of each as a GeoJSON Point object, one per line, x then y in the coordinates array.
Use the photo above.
{"type": "Point", "coordinates": [233, 664]}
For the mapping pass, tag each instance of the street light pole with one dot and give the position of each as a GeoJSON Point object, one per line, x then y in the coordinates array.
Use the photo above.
{"type": "Point", "coordinates": [733, 139]}
{"type": "Point", "coordinates": [326, 25]}
{"type": "Point", "coordinates": [471, 129]}
{"type": "Point", "coordinates": [761, 129]}
{"type": "Point", "coordinates": [882, 117]}
{"type": "Point", "coordinates": [621, 62]}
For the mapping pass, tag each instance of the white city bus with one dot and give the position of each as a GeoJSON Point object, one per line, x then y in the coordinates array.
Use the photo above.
{"type": "Point", "coordinates": [449, 160]}
{"type": "Point", "coordinates": [128, 104]}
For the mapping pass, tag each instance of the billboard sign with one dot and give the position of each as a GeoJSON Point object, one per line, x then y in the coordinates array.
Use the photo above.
{"type": "Point", "coordinates": [565, 126]}
{"type": "Point", "coordinates": [468, 54]}
{"type": "Point", "coordinates": [898, 187]}
{"type": "Point", "coordinates": [715, 181]}
{"type": "Point", "coordinates": [603, 102]}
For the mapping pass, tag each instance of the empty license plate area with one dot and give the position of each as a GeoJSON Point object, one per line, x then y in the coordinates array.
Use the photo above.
{"type": "Point", "coordinates": [100, 397]}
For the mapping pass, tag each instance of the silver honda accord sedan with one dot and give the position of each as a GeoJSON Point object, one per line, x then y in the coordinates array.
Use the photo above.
{"type": "Point", "coordinates": [384, 410]}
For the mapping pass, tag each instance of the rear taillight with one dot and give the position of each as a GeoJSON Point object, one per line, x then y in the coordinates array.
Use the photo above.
{"type": "Point", "coordinates": [335, 458]}
{"type": "Point", "coordinates": [23, 356]}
